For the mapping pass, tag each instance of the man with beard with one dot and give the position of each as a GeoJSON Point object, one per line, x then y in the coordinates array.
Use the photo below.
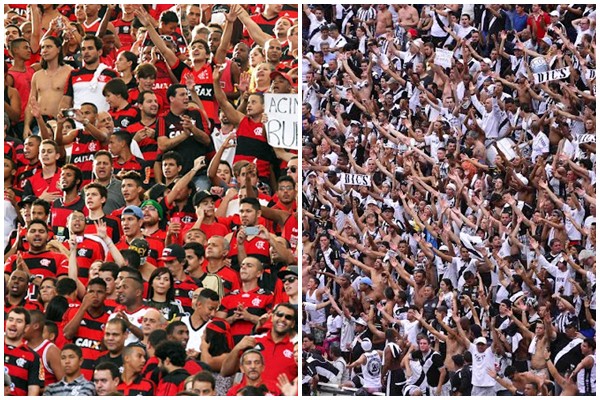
{"type": "Point", "coordinates": [50, 80]}
{"type": "Point", "coordinates": [144, 131]}
{"type": "Point", "coordinates": [21, 363]}
{"type": "Point", "coordinates": [85, 324]}
{"type": "Point", "coordinates": [69, 182]}
{"type": "Point", "coordinates": [131, 307]}
{"type": "Point", "coordinates": [132, 382]}
{"type": "Point", "coordinates": [84, 142]}
{"type": "Point", "coordinates": [38, 261]}
{"type": "Point", "coordinates": [81, 85]}
{"type": "Point", "coordinates": [247, 240]}
{"type": "Point", "coordinates": [115, 333]}
{"type": "Point", "coordinates": [171, 359]}
{"type": "Point", "coordinates": [275, 346]}
{"type": "Point", "coordinates": [153, 215]}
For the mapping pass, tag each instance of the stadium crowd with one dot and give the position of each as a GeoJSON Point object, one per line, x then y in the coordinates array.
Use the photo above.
{"type": "Point", "coordinates": [448, 227]}
{"type": "Point", "coordinates": [151, 230]}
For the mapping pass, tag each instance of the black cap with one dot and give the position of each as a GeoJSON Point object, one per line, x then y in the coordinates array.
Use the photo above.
{"type": "Point", "coordinates": [333, 27]}
{"type": "Point", "coordinates": [291, 270]}
{"type": "Point", "coordinates": [172, 252]}
{"type": "Point", "coordinates": [140, 246]}
{"type": "Point", "coordinates": [198, 197]}
{"type": "Point", "coordinates": [27, 200]}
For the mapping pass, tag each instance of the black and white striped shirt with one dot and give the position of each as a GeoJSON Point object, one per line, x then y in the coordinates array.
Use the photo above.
{"type": "Point", "coordinates": [79, 387]}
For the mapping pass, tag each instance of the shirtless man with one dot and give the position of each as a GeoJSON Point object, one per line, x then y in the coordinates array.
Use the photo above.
{"type": "Point", "coordinates": [348, 295]}
{"type": "Point", "coordinates": [408, 17]}
{"type": "Point", "coordinates": [368, 296]}
{"type": "Point", "coordinates": [453, 345]}
{"type": "Point", "coordinates": [384, 20]}
{"type": "Point", "coordinates": [538, 343]}
{"type": "Point", "coordinates": [50, 81]}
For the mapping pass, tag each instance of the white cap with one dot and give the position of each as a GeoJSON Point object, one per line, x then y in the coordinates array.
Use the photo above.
{"type": "Point", "coordinates": [487, 61]}
{"type": "Point", "coordinates": [555, 13]}
{"type": "Point", "coordinates": [523, 179]}
{"type": "Point", "coordinates": [480, 340]}
{"type": "Point", "coordinates": [444, 248]}
{"type": "Point", "coordinates": [451, 186]}
{"type": "Point", "coordinates": [366, 344]}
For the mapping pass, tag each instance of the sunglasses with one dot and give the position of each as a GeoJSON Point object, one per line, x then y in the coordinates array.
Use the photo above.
{"type": "Point", "coordinates": [292, 169]}
{"type": "Point", "coordinates": [284, 315]}
{"type": "Point", "coordinates": [291, 279]}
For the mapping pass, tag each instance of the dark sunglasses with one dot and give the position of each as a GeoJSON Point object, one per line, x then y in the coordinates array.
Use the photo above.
{"type": "Point", "coordinates": [291, 279]}
{"type": "Point", "coordinates": [293, 169]}
{"type": "Point", "coordinates": [284, 315]}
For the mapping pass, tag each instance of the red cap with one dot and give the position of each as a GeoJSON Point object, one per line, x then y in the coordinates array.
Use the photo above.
{"type": "Point", "coordinates": [413, 33]}
{"type": "Point", "coordinates": [283, 75]}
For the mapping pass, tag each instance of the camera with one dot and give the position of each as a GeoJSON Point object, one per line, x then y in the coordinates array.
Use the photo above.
{"type": "Point", "coordinates": [69, 113]}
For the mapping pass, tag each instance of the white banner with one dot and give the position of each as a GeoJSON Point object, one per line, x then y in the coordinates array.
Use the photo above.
{"type": "Point", "coordinates": [443, 58]}
{"type": "Point", "coordinates": [556, 74]}
{"type": "Point", "coordinates": [356, 179]}
{"type": "Point", "coordinates": [282, 123]}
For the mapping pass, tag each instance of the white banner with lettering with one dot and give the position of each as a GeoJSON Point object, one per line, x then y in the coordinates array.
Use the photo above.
{"type": "Point", "coordinates": [556, 74]}
{"type": "Point", "coordinates": [443, 58]}
{"type": "Point", "coordinates": [356, 179]}
{"type": "Point", "coordinates": [282, 123]}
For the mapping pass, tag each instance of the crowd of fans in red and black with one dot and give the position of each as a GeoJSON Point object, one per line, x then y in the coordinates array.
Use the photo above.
{"type": "Point", "coordinates": [150, 229]}
{"type": "Point", "coordinates": [449, 231]}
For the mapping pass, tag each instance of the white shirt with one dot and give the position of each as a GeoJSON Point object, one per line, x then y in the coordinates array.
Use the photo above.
{"type": "Point", "coordinates": [481, 363]}
{"type": "Point", "coordinates": [195, 339]}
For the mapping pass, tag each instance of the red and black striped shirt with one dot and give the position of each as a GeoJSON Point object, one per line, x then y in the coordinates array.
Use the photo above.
{"type": "Point", "coordinates": [44, 264]}
{"type": "Point", "coordinates": [83, 150]}
{"type": "Point", "coordinates": [125, 117]}
{"type": "Point", "coordinates": [138, 387]}
{"type": "Point", "coordinates": [253, 145]}
{"type": "Point", "coordinates": [89, 338]}
{"type": "Point", "coordinates": [88, 251]}
{"type": "Point", "coordinates": [148, 146]}
{"type": "Point", "coordinates": [24, 368]}
{"type": "Point", "coordinates": [184, 291]}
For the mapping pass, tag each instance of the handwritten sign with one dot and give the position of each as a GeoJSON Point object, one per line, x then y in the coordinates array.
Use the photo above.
{"type": "Point", "coordinates": [443, 58]}
{"type": "Point", "coordinates": [356, 179]}
{"type": "Point", "coordinates": [282, 123]}
{"type": "Point", "coordinates": [555, 74]}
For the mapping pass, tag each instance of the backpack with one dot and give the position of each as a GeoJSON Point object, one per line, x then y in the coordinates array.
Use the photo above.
{"type": "Point", "coordinates": [213, 282]}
